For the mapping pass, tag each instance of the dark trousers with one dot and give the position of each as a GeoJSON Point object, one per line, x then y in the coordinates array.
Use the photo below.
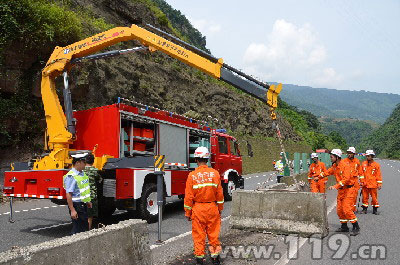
{"type": "Point", "coordinates": [81, 223]}
{"type": "Point", "coordinates": [278, 179]}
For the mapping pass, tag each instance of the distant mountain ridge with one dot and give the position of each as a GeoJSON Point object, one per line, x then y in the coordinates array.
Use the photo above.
{"type": "Point", "coordinates": [325, 102]}
{"type": "Point", "coordinates": [385, 140]}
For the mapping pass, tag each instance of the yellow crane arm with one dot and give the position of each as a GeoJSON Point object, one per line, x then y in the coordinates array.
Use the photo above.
{"type": "Point", "coordinates": [62, 58]}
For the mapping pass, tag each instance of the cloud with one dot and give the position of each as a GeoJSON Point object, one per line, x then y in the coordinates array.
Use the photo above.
{"type": "Point", "coordinates": [205, 26]}
{"type": "Point", "coordinates": [291, 54]}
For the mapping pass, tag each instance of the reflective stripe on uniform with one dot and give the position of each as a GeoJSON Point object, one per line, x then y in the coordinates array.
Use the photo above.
{"type": "Point", "coordinates": [361, 177]}
{"type": "Point", "coordinates": [353, 220]}
{"type": "Point", "coordinates": [343, 220]}
{"type": "Point", "coordinates": [220, 202]}
{"type": "Point", "coordinates": [366, 205]}
{"type": "Point", "coordinates": [341, 184]}
{"type": "Point", "coordinates": [81, 198]}
{"type": "Point", "coordinates": [187, 207]}
{"type": "Point", "coordinates": [379, 181]}
{"type": "Point", "coordinates": [84, 189]}
{"type": "Point", "coordinates": [205, 185]}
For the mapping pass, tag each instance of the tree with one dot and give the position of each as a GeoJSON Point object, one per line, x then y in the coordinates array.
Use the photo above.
{"type": "Point", "coordinates": [337, 138]}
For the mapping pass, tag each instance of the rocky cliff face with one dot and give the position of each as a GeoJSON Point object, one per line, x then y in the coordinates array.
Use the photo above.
{"type": "Point", "coordinates": [153, 79]}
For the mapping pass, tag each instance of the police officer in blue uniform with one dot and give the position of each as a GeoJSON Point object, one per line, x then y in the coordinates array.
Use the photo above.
{"type": "Point", "coordinates": [76, 185]}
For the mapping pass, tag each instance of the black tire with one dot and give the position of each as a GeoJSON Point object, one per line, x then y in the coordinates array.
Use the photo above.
{"type": "Point", "coordinates": [106, 207]}
{"type": "Point", "coordinates": [232, 180]}
{"type": "Point", "coordinates": [145, 214]}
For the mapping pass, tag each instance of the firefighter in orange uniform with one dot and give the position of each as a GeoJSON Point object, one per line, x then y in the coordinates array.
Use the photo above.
{"type": "Point", "coordinates": [345, 186]}
{"type": "Point", "coordinates": [356, 171]}
{"type": "Point", "coordinates": [204, 202]}
{"type": "Point", "coordinates": [371, 182]}
{"type": "Point", "coordinates": [316, 168]}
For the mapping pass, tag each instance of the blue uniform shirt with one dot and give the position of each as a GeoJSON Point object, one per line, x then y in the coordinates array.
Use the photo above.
{"type": "Point", "coordinates": [71, 186]}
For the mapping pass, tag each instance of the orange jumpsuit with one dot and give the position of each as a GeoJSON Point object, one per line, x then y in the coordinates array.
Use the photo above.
{"type": "Point", "coordinates": [356, 171]}
{"type": "Point", "coordinates": [315, 170]}
{"type": "Point", "coordinates": [345, 186]}
{"type": "Point", "coordinates": [204, 201]}
{"type": "Point", "coordinates": [371, 180]}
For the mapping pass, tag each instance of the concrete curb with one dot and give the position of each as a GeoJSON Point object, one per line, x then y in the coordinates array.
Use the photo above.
{"type": "Point", "coordinates": [280, 212]}
{"type": "Point", "coordinates": [123, 243]}
{"type": "Point", "coordinates": [172, 249]}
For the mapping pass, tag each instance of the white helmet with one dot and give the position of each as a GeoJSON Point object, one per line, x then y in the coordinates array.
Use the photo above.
{"type": "Point", "coordinates": [314, 155]}
{"type": "Point", "coordinates": [336, 152]}
{"type": "Point", "coordinates": [201, 152]}
{"type": "Point", "coordinates": [351, 150]}
{"type": "Point", "coordinates": [369, 153]}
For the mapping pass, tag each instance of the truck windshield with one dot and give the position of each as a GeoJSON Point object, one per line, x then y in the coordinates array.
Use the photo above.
{"type": "Point", "coordinates": [223, 147]}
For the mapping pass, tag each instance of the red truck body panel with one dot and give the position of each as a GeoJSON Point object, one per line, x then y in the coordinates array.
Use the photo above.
{"type": "Point", "coordinates": [35, 184]}
{"type": "Point", "coordinates": [101, 126]}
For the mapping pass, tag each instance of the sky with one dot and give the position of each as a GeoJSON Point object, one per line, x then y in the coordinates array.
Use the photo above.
{"type": "Point", "coordinates": [339, 44]}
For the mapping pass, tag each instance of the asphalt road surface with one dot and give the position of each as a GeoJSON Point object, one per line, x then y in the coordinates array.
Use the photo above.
{"type": "Point", "coordinates": [37, 221]}
{"type": "Point", "coordinates": [379, 241]}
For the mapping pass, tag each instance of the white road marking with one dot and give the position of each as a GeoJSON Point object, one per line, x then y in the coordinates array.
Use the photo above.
{"type": "Point", "coordinates": [285, 260]}
{"type": "Point", "coordinates": [172, 239]}
{"type": "Point", "coordinates": [53, 226]}
{"type": "Point", "coordinates": [34, 209]}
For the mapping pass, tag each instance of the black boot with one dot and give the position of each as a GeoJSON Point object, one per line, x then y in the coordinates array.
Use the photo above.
{"type": "Point", "coordinates": [375, 210]}
{"type": "Point", "coordinates": [200, 261]}
{"type": "Point", "coordinates": [364, 210]}
{"type": "Point", "coordinates": [356, 229]}
{"type": "Point", "coordinates": [216, 261]}
{"type": "Point", "coordinates": [343, 229]}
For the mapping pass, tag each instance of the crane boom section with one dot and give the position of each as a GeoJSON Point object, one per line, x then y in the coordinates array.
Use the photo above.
{"type": "Point", "coordinates": [62, 59]}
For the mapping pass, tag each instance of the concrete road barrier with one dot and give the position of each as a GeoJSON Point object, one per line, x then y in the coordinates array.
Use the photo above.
{"type": "Point", "coordinates": [280, 211]}
{"type": "Point", "coordinates": [123, 243]}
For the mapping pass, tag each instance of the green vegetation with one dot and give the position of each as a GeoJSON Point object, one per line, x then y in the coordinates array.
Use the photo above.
{"type": "Point", "coordinates": [162, 18]}
{"type": "Point", "coordinates": [385, 141]}
{"type": "Point", "coordinates": [350, 129]}
{"type": "Point", "coordinates": [37, 23]}
{"type": "Point", "coordinates": [324, 102]}
{"type": "Point", "coordinates": [181, 23]}
{"type": "Point", "coordinates": [307, 125]}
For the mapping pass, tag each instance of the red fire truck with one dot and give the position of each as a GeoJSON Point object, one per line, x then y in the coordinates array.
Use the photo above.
{"type": "Point", "coordinates": [132, 134]}
{"type": "Point", "coordinates": [125, 137]}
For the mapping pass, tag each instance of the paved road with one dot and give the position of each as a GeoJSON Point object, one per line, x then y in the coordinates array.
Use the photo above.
{"type": "Point", "coordinates": [377, 232]}
{"type": "Point", "coordinates": [37, 221]}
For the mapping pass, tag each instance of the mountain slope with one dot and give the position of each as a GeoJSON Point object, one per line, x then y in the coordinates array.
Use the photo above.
{"type": "Point", "coordinates": [31, 30]}
{"type": "Point", "coordinates": [385, 140]}
{"type": "Point", "coordinates": [352, 130]}
{"type": "Point", "coordinates": [361, 105]}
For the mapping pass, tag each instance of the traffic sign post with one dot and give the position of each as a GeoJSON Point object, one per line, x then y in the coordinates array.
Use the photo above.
{"type": "Point", "coordinates": [159, 166]}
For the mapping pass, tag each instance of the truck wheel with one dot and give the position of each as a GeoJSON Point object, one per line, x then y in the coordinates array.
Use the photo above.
{"type": "Point", "coordinates": [147, 204]}
{"type": "Point", "coordinates": [106, 207]}
{"type": "Point", "coordinates": [229, 188]}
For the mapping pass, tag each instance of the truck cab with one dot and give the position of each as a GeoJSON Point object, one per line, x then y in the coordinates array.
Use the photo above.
{"type": "Point", "coordinates": [226, 159]}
